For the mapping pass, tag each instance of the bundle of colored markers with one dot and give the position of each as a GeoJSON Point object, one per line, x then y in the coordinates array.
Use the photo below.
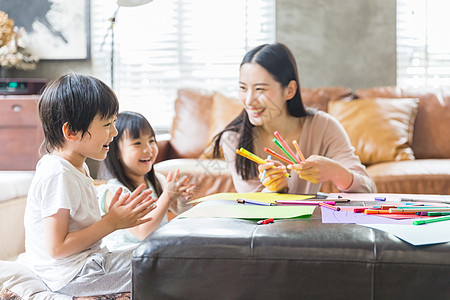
{"type": "Point", "coordinates": [439, 213]}
{"type": "Point", "coordinates": [281, 143]}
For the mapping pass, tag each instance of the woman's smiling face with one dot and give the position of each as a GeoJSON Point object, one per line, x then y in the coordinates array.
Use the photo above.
{"type": "Point", "coordinates": [262, 96]}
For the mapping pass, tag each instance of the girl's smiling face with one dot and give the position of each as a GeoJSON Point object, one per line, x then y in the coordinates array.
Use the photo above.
{"type": "Point", "coordinates": [137, 154]}
{"type": "Point", "coordinates": [262, 96]}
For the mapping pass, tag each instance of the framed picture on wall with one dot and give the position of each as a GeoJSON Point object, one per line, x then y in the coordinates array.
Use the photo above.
{"type": "Point", "coordinates": [56, 29]}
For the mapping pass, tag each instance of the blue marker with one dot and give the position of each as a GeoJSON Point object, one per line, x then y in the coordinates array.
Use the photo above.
{"type": "Point", "coordinates": [265, 171]}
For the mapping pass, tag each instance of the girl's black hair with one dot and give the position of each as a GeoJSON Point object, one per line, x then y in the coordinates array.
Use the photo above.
{"type": "Point", "coordinates": [135, 125]}
{"type": "Point", "coordinates": [75, 99]}
{"type": "Point", "coordinates": [278, 60]}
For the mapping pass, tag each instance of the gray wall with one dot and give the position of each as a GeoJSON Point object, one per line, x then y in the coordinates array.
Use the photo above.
{"type": "Point", "coordinates": [340, 42]}
{"type": "Point", "coordinates": [336, 42]}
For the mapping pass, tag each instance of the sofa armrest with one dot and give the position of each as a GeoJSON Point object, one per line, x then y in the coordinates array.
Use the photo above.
{"type": "Point", "coordinates": [12, 230]}
{"type": "Point", "coordinates": [209, 175]}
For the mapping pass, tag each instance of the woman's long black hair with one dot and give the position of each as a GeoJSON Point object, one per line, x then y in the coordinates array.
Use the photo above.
{"type": "Point", "coordinates": [135, 125]}
{"type": "Point", "coordinates": [278, 60]}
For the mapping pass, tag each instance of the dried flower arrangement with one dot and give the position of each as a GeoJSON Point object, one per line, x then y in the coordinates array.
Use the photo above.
{"type": "Point", "coordinates": [13, 43]}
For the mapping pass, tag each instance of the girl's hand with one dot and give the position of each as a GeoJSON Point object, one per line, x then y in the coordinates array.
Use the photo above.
{"type": "Point", "coordinates": [129, 210]}
{"type": "Point", "coordinates": [179, 188]}
{"type": "Point", "coordinates": [317, 169]}
{"type": "Point", "coordinates": [275, 179]}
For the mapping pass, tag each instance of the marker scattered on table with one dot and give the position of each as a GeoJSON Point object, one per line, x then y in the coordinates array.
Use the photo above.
{"type": "Point", "coordinates": [254, 202]}
{"type": "Point", "coordinates": [420, 222]}
{"type": "Point", "coordinates": [330, 206]}
{"type": "Point", "coordinates": [380, 198]}
{"type": "Point", "coordinates": [266, 221]}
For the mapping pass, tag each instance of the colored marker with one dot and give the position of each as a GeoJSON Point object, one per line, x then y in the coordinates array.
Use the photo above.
{"type": "Point", "coordinates": [420, 222]}
{"type": "Point", "coordinates": [424, 200]}
{"type": "Point", "coordinates": [285, 151]}
{"type": "Point", "coordinates": [359, 210]}
{"type": "Point", "coordinates": [380, 198]}
{"type": "Point", "coordinates": [270, 151]}
{"type": "Point", "coordinates": [438, 213]}
{"type": "Point", "coordinates": [302, 202]}
{"type": "Point", "coordinates": [376, 211]}
{"type": "Point", "coordinates": [265, 170]}
{"type": "Point", "coordinates": [254, 202]}
{"type": "Point", "coordinates": [253, 157]}
{"type": "Point", "coordinates": [330, 206]}
{"type": "Point", "coordinates": [297, 148]}
{"type": "Point", "coordinates": [286, 146]}
{"type": "Point", "coordinates": [416, 209]}
{"type": "Point", "coordinates": [338, 200]}
{"type": "Point", "coordinates": [266, 221]}
{"type": "Point", "coordinates": [250, 156]}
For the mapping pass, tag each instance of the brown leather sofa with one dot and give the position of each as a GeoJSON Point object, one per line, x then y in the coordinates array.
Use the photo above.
{"type": "Point", "coordinates": [416, 160]}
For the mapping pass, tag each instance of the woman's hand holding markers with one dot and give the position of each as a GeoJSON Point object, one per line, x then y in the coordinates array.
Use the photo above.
{"type": "Point", "coordinates": [275, 179]}
{"type": "Point", "coordinates": [318, 169]}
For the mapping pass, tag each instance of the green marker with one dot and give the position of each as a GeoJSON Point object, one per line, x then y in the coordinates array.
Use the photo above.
{"type": "Point", "coordinates": [419, 222]}
{"type": "Point", "coordinates": [284, 150]}
{"type": "Point", "coordinates": [438, 213]}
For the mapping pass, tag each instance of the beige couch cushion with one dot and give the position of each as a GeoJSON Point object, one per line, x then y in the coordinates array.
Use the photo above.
{"type": "Point", "coordinates": [379, 129]}
{"type": "Point", "coordinates": [432, 124]}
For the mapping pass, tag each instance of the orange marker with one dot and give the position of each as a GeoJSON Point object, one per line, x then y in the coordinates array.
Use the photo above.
{"type": "Point", "coordinates": [297, 148]}
{"type": "Point", "coordinates": [376, 211]}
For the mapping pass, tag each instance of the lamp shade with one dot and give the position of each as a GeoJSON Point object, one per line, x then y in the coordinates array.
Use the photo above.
{"type": "Point", "coordinates": [131, 3]}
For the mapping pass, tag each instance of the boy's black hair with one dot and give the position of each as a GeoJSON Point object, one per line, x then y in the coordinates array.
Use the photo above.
{"type": "Point", "coordinates": [75, 99]}
{"type": "Point", "coordinates": [135, 125]}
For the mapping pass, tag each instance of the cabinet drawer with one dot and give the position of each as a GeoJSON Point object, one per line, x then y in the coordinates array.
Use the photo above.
{"type": "Point", "coordinates": [18, 112]}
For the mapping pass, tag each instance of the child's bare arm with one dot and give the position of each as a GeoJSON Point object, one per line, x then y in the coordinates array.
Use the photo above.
{"type": "Point", "coordinates": [128, 211]}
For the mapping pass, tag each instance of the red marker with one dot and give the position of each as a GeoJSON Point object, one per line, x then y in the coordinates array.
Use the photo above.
{"type": "Point", "coordinates": [266, 221]}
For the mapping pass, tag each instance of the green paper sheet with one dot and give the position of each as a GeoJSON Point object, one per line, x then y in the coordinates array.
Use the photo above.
{"type": "Point", "coordinates": [242, 211]}
{"type": "Point", "coordinates": [265, 197]}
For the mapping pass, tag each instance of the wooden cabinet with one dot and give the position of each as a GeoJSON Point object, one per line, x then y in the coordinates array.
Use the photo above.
{"type": "Point", "coordinates": [21, 132]}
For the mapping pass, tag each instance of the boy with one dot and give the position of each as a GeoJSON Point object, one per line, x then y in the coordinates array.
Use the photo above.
{"type": "Point", "coordinates": [63, 225]}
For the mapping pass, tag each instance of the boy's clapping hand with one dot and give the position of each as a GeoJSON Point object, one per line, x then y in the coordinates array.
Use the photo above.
{"type": "Point", "coordinates": [129, 210]}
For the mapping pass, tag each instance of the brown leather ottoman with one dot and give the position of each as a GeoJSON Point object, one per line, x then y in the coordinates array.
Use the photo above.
{"type": "Point", "coordinates": [213, 258]}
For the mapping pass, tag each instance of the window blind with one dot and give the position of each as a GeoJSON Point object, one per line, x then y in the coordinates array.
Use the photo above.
{"type": "Point", "coordinates": [423, 47]}
{"type": "Point", "coordinates": [169, 44]}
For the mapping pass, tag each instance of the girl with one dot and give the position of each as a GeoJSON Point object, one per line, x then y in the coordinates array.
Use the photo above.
{"type": "Point", "coordinates": [130, 162]}
{"type": "Point", "coordinates": [269, 89]}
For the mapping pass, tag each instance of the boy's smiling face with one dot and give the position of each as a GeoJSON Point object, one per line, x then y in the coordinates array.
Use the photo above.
{"type": "Point", "coordinates": [95, 142]}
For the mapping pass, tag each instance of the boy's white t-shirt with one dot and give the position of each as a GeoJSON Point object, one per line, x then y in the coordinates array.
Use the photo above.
{"type": "Point", "coordinates": [58, 184]}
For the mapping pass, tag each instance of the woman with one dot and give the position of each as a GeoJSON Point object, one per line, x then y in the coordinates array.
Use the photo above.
{"type": "Point", "coordinates": [269, 89]}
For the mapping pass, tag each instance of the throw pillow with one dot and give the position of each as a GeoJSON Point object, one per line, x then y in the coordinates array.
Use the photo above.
{"type": "Point", "coordinates": [380, 129]}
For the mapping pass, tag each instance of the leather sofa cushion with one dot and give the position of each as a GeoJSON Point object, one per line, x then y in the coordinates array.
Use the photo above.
{"type": "Point", "coordinates": [190, 127]}
{"type": "Point", "coordinates": [318, 98]}
{"type": "Point", "coordinates": [420, 176]}
{"type": "Point", "coordinates": [432, 121]}
{"type": "Point", "coordinates": [379, 129]}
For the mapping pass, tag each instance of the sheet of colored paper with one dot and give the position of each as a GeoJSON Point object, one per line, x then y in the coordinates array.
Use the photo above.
{"type": "Point", "coordinates": [345, 216]}
{"type": "Point", "coordinates": [265, 197]}
{"type": "Point", "coordinates": [432, 233]}
{"type": "Point", "coordinates": [243, 211]}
